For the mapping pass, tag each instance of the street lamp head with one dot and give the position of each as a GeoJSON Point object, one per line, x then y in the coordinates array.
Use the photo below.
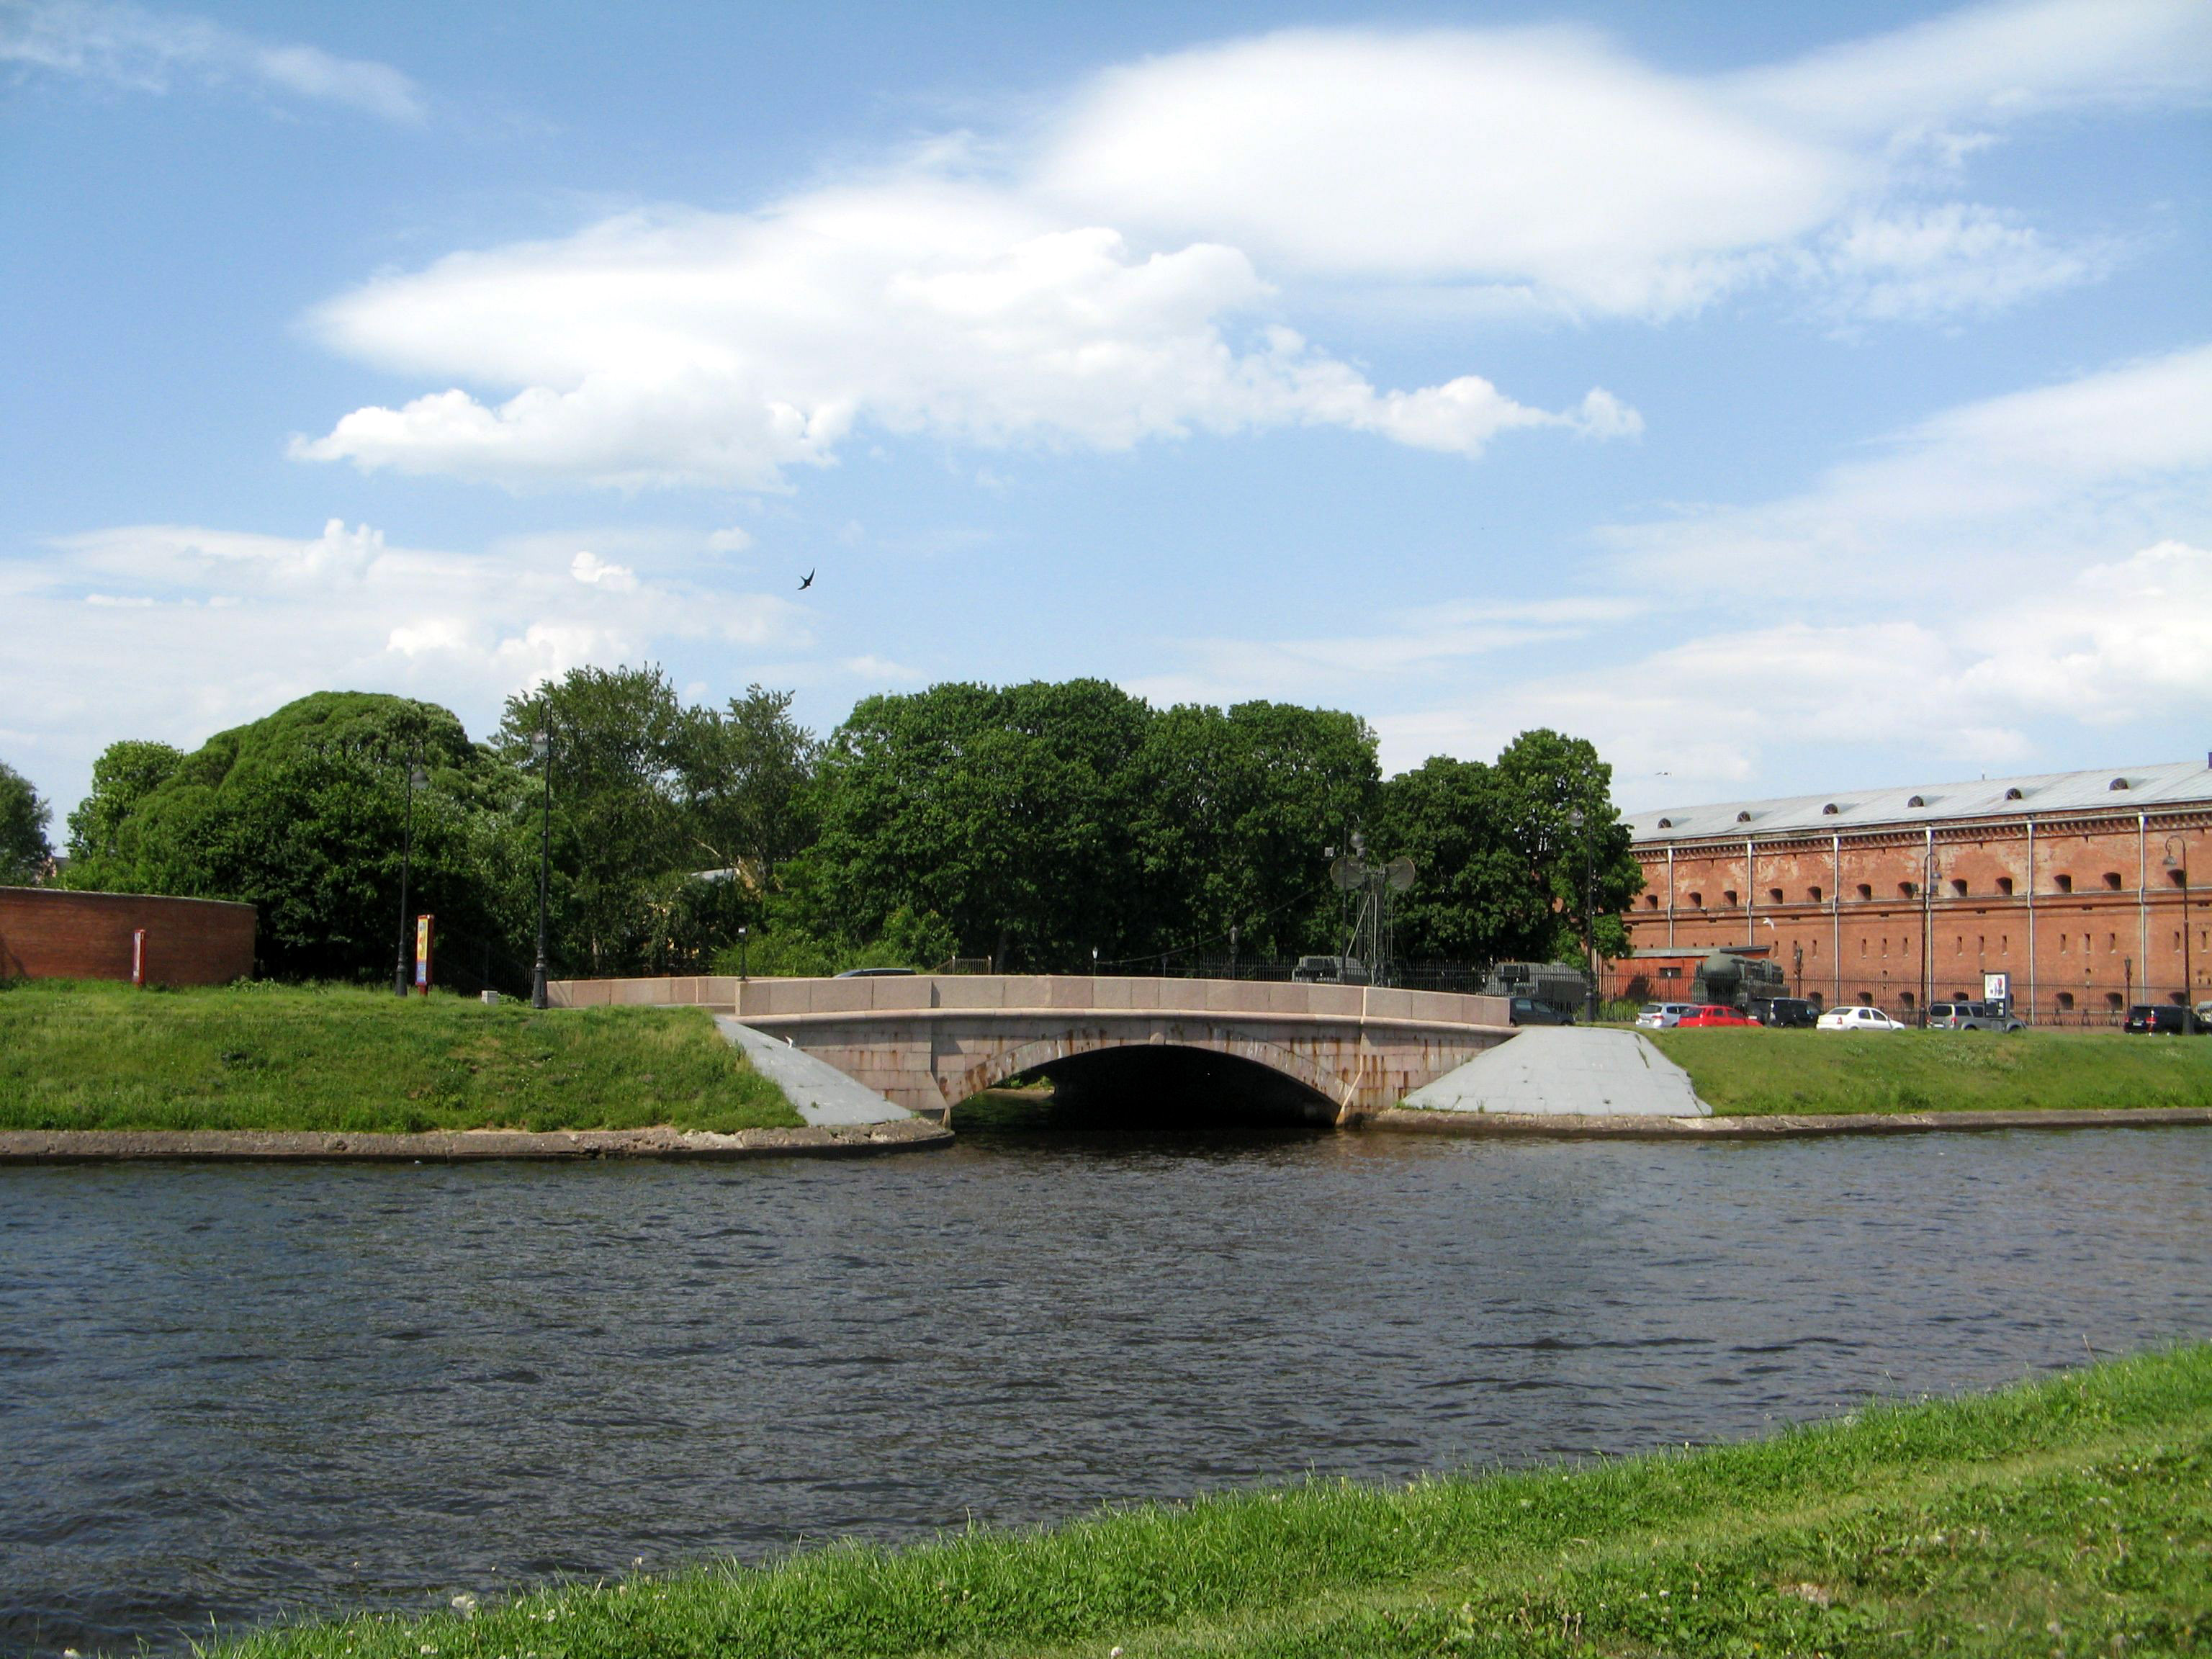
{"type": "Point", "coordinates": [417, 778]}
{"type": "Point", "coordinates": [540, 744]}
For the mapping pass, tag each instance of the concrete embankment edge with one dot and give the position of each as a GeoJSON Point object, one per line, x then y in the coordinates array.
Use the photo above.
{"type": "Point", "coordinates": [1777, 1127]}
{"type": "Point", "coordinates": [461, 1145]}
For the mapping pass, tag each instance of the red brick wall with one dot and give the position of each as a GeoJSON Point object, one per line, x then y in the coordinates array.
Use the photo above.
{"type": "Point", "coordinates": [46, 933]}
{"type": "Point", "coordinates": [2096, 945]}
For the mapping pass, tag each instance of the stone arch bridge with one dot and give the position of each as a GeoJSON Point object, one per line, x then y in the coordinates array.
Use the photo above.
{"type": "Point", "coordinates": [1327, 1053]}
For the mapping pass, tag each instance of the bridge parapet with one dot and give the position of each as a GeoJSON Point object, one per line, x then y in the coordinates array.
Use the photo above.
{"type": "Point", "coordinates": [929, 1041]}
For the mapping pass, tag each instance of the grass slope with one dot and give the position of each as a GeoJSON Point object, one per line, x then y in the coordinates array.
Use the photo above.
{"type": "Point", "coordinates": [1755, 1071]}
{"type": "Point", "coordinates": [2072, 1515]}
{"type": "Point", "coordinates": [104, 1057]}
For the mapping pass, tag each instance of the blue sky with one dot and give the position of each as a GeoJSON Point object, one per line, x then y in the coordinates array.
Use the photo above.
{"type": "Point", "coordinates": [1783, 398]}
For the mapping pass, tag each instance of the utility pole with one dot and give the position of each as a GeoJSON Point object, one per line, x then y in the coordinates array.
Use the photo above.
{"type": "Point", "coordinates": [415, 780]}
{"type": "Point", "coordinates": [541, 745]}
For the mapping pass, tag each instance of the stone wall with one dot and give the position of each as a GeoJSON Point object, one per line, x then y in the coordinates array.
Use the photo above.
{"type": "Point", "coordinates": [48, 932]}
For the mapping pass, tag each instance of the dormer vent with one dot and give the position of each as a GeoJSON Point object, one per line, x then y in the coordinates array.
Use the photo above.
{"type": "Point", "coordinates": [1743, 818]}
{"type": "Point", "coordinates": [2117, 783]}
{"type": "Point", "coordinates": [2014, 793]}
{"type": "Point", "coordinates": [1666, 823]}
{"type": "Point", "coordinates": [1830, 810]}
{"type": "Point", "coordinates": [1918, 800]}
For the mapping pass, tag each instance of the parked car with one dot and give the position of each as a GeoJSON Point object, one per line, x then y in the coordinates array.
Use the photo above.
{"type": "Point", "coordinates": [1713, 1014]}
{"type": "Point", "coordinates": [1330, 970]}
{"type": "Point", "coordinates": [1972, 1017]}
{"type": "Point", "coordinates": [1859, 1018]}
{"type": "Point", "coordinates": [1527, 1011]}
{"type": "Point", "coordinates": [1662, 1016]}
{"type": "Point", "coordinates": [2164, 1019]}
{"type": "Point", "coordinates": [1785, 1012]}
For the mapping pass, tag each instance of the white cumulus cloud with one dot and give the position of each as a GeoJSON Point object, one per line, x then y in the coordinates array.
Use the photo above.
{"type": "Point", "coordinates": [1125, 267]}
{"type": "Point", "coordinates": [701, 349]}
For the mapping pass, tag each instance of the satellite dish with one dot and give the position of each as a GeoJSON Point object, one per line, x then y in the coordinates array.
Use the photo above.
{"type": "Point", "coordinates": [1400, 874]}
{"type": "Point", "coordinates": [1348, 873]}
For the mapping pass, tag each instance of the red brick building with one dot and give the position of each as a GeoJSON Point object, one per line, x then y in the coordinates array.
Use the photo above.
{"type": "Point", "coordinates": [2087, 889]}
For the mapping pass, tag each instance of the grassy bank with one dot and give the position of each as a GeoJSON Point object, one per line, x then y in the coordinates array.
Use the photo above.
{"type": "Point", "coordinates": [2072, 1515]}
{"type": "Point", "coordinates": [103, 1057]}
{"type": "Point", "coordinates": [1757, 1071]}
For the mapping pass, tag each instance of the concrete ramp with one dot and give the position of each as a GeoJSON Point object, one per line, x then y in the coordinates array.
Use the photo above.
{"type": "Point", "coordinates": [1564, 1070]}
{"type": "Point", "coordinates": [824, 1096]}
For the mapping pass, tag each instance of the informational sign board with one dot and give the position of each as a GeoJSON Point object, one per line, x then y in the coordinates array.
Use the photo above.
{"type": "Point", "coordinates": [138, 956]}
{"type": "Point", "coordinates": [422, 955]}
{"type": "Point", "coordinates": [1996, 988]}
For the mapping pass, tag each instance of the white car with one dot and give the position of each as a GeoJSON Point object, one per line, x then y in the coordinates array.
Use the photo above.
{"type": "Point", "coordinates": [1859, 1019]}
{"type": "Point", "coordinates": [1663, 1016]}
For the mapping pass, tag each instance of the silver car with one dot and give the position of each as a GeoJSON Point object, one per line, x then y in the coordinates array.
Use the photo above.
{"type": "Point", "coordinates": [1972, 1017]}
{"type": "Point", "coordinates": [1663, 1016]}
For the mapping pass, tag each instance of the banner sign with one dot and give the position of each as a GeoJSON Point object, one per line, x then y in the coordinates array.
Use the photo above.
{"type": "Point", "coordinates": [422, 955]}
{"type": "Point", "coordinates": [1996, 988]}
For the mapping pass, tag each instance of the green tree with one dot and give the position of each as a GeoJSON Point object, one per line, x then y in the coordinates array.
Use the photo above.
{"type": "Point", "coordinates": [303, 814]}
{"type": "Point", "coordinates": [745, 773]}
{"type": "Point", "coordinates": [1561, 819]}
{"type": "Point", "coordinates": [621, 832]}
{"type": "Point", "coordinates": [124, 775]}
{"type": "Point", "coordinates": [1507, 855]}
{"type": "Point", "coordinates": [1004, 813]}
{"type": "Point", "coordinates": [1234, 816]}
{"type": "Point", "coordinates": [24, 815]}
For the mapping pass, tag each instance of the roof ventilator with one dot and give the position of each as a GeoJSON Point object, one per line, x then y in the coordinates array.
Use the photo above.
{"type": "Point", "coordinates": [1743, 818]}
{"type": "Point", "coordinates": [2117, 783]}
{"type": "Point", "coordinates": [1830, 810]}
{"type": "Point", "coordinates": [1918, 800]}
{"type": "Point", "coordinates": [2014, 793]}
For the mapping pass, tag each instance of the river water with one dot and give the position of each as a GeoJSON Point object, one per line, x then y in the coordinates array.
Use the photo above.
{"type": "Point", "coordinates": [237, 1393]}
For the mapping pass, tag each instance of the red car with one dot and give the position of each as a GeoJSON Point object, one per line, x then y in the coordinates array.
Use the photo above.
{"type": "Point", "coordinates": [1711, 1014]}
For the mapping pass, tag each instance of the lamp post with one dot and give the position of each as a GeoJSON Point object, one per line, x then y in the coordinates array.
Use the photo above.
{"type": "Point", "coordinates": [2177, 860]}
{"type": "Point", "coordinates": [742, 976]}
{"type": "Point", "coordinates": [1929, 871]}
{"type": "Point", "coordinates": [1574, 822]}
{"type": "Point", "coordinates": [541, 748]}
{"type": "Point", "coordinates": [416, 780]}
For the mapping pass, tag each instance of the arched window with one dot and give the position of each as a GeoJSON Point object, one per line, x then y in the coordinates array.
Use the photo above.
{"type": "Point", "coordinates": [1774, 895]}
{"type": "Point", "coordinates": [2004, 886]}
{"type": "Point", "coordinates": [1815, 894]}
{"type": "Point", "coordinates": [1958, 887]}
{"type": "Point", "coordinates": [2065, 1002]}
{"type": "Point", "coordinates": [1728, 895]}
{"type": "Point", "coordinates": [2064, 884]}
{"type": "Point", "coordinates": [2112, 880]}
{"type": "Point", "coordinates": [1866, 892]}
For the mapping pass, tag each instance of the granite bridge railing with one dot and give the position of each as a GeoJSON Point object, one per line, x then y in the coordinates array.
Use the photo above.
{"type": "Point", "coordinates": [929, 1041]}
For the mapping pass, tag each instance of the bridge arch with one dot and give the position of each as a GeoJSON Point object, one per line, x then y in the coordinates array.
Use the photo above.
{"type": "Point", "coordinates": [1258, 1074]}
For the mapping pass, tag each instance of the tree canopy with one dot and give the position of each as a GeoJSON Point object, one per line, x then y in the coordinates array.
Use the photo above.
{"type": "Point", "coordinates": [1033, 824]}
{"type": "Point", "coordinates": [23, 819]}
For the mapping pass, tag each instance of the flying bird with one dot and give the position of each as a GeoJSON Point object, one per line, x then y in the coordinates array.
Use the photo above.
{"type": "Point", "coordinates": [808, 583]}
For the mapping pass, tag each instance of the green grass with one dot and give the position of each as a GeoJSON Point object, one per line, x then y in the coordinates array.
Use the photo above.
{"type": "Point", "coordinates": [104, 1056]}
{"type": "Point", "coordinates": [1753, 1072]}
{"type": "Point", "coordinates": [2072, 1515]}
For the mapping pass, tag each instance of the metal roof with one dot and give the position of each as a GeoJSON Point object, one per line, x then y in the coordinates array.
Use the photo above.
{"type": "Point", "coordinates": [2123, 789]}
